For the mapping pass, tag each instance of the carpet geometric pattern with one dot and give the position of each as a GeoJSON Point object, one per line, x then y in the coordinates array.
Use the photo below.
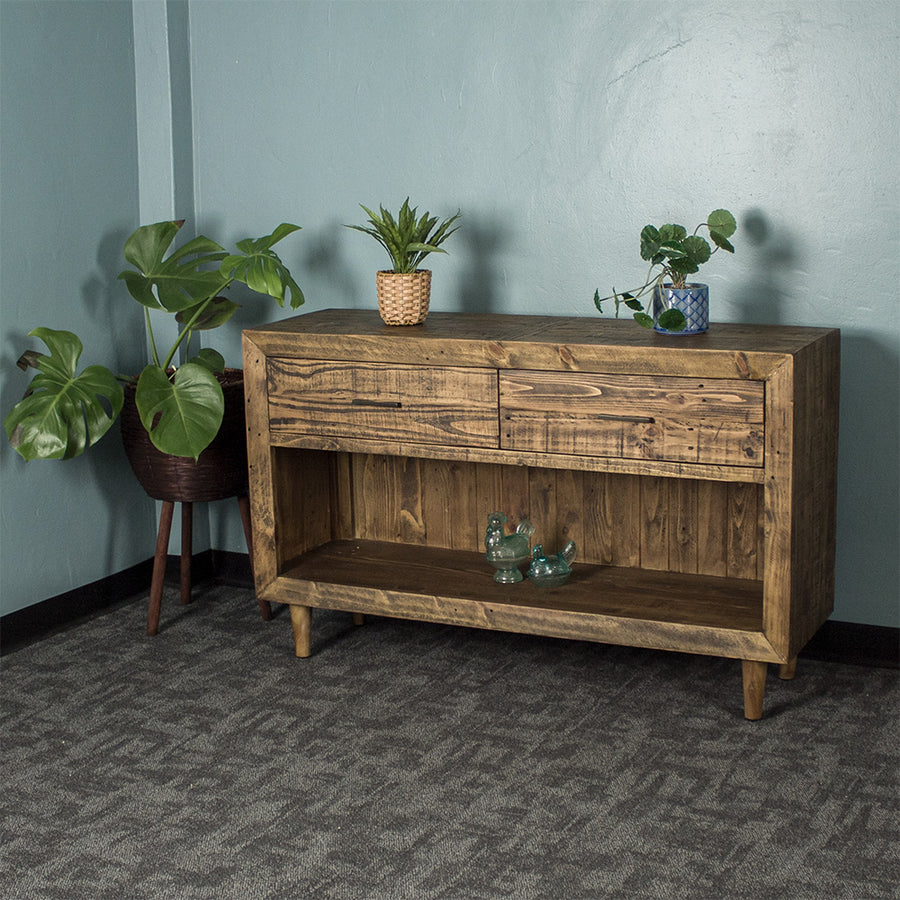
{"type": "Point", "coordinates": [409, 761]}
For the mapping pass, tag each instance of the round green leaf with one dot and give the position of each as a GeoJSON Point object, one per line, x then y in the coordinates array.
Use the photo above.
{"type": "Point", "coordinates": [650, 241]}
{"type": "Point", "coordinates": [672, 320]}
{"type": "Point", "coordinates": [722, 222]}
{"type": "Point", "coordinates": [697, 249]}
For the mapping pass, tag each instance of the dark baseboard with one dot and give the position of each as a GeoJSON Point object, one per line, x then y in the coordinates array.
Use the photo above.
{"type": "Point", "coordinates": [25, 626]}
{"type": "Point", "coordinates": [855, 644]}
{"type": "Point", "coordinates": [851, 643]}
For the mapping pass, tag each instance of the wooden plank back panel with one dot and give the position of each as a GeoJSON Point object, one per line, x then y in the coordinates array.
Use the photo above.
{"type": "Point", "coordinates": [692, 527]}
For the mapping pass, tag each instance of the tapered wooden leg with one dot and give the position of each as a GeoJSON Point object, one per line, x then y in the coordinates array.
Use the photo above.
{"type": "Point", "coordinates": [754, 688]}
{"type": "Point", "coordinates": [301, 623]}
{"type": "Point", "coordinates": [358, 619]}
{"type": "Point", "coordinates": [265, 609]}
{"type": "Point", "coordinates": [787, 671]}
{"type": "Point", "coordinates": [187, 548]}
{"type": "Point", "coordinates": [159, 565]}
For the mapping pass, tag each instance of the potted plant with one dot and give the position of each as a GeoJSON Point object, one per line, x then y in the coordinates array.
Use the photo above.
{"type": "Point", "coordinates": [180, 407]}
{"type": "Point", "coordinates": [404, 292]}
{"type": "Point", "coordinates": [678, 307]}
{"type": "Point", "coordinates": [183, 426]}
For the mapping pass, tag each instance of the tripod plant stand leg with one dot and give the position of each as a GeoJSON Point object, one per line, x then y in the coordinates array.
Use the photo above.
{"type": "Point", "coordinates": [159, 565]}
{"type": "Point", "coordinates": [187, 549]}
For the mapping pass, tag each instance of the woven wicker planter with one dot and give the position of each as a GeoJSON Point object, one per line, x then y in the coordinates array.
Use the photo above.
{"type": "Point", "coordinates": [221, 470]}
{"type": "Point", "coordinates": [403, 297]}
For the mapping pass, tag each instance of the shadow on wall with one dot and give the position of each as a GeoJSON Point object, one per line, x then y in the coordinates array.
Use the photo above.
{"type": "Point", "coordinates": [483, 240]}
{"type": "Point", "coordinates": [869, 480]}
{"type": "Point", "coordinates": [108, 303]}
{"type": "Point", "coordinates": [107, 313]}
{"type": "Point", "coordinates": [477, 243]}
{"type": "Point", "coordinates": [773, 255]}
{"type": "Point", "coordinates": [324, 260]}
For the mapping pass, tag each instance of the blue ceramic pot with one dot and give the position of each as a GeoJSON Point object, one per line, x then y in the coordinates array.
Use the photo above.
{"type": "Point", "coordinates": [692, 300]}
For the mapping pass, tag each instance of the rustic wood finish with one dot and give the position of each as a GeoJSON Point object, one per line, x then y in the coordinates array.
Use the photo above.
{"type": "Point", "coordinates": [413, 403]}
{"type": "Point", "coordinates": [633, 416]}
{"type": "Point", "coordinates": [696, 476]}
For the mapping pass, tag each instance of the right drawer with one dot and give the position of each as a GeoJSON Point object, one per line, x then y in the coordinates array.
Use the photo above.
{"type": "Point", "coordinates": [703, 420]}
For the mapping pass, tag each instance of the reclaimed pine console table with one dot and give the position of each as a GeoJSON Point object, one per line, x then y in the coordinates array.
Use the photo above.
{"type": "Point", "coordinates": [696, 474]}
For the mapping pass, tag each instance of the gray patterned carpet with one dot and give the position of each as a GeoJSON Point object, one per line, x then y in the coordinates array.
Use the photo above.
{"type": "Point", "coordinates": [406, 760]}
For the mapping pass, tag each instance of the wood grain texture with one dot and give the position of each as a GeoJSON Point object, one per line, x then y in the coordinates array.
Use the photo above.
{"type": "Point", "coordinates": [608, 604]}
{"type": "Point", "coordinates": [754, 674]}
{"type": "Point", "coordinates": [259, 463]}
{"type": "Point", "coordinates": [620, 520]}
{"type": "Point", "coordinates": [663, 468]}
{"type": "Point", "coordinates": [414, 403]}
{"type": "Point", "coordinates": [537, 342]}
{"type": "Point", "coordinates": [696, 476]}
{"type": "Point", "coordinates": [716, 421]}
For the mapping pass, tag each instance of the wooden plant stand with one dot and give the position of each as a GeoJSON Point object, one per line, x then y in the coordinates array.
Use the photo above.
{"type": "Point", "coordinates": [696, 474]}
{"type": "Point", "coordinates": [166, 515]}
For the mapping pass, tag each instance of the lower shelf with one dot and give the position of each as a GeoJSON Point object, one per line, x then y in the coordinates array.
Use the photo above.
{"type": "Point", "coordinates": [635, 607]}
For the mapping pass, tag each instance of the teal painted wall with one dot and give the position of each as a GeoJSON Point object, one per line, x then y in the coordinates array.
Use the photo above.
{"type": "Point", "coordinates": [560, 129]}
{"type": "Point", "coordinates": [68, 199]}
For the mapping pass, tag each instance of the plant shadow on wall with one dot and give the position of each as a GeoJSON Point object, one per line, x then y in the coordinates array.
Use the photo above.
{"type": "Point", "coordinates": [131, 520]}
{"type": "Point", "coordinates": [483, 240]}
{"type": "Point", "coordinates": [765, 295]}
{"type": "Point", "coordinates": [326, 260]}
{"type": "Point", "coordinates": [104, 472]}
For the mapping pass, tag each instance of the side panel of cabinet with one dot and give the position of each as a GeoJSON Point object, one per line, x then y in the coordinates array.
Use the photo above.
{"type": "Point", "coordinates": [800, 488]}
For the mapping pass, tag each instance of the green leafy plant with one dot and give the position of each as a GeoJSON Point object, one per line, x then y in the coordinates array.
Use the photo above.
{"type": "Point", "coordinates": [409, 238]}
{"type": "Point", "coordinates": [677, 254]}
{"type": "Point", "coordinates": [181, 406]}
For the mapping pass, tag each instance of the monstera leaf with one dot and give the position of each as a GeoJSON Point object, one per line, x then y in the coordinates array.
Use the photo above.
{"type": "Point", "coordinates": [261, 270]}
{"type": "Point", "coordinates": [175, 282]}
{"type": "Point", "coordinates": [182, 415]}
{"type": "Point", "coordinates": [208, 315]}
{"type": "Point", "coordinates": [62, 412]}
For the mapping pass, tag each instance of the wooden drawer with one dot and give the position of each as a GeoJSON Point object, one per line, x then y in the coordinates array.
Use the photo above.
{"type": "Point", "coordinates": [423, 404]}
{"type": "Point", "coordinates": [714, 421]}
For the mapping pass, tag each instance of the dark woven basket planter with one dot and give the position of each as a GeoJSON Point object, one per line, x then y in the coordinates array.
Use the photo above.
{"type": "Point", "coordinates": [221, 470]}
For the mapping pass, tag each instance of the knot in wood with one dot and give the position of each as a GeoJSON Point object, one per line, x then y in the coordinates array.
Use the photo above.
{"type": "Point", "coordinates": [565, 354]}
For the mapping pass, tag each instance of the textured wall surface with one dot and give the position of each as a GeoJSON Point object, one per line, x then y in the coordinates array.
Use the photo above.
{"type": "Point", "coordinates": [69, 200]}
{"type": "Point", "coordinates": [560, 129]}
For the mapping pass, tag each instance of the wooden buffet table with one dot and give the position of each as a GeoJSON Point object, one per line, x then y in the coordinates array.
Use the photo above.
{"type": "Point", "coordinates": [696, 474]}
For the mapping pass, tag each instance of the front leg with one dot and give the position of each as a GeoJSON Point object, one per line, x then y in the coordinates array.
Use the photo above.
{"type": "Point", "coordinates": [301, 623]}
{"type": "Point", "coordinates": [754, 688]}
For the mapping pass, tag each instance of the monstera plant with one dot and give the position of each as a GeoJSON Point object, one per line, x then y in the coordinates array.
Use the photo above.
{"type": "Point", "coordinates": [181, 406]}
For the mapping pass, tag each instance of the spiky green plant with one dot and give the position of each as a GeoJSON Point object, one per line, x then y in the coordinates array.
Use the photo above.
{"type": "Point", "coordinates": [409, 238]}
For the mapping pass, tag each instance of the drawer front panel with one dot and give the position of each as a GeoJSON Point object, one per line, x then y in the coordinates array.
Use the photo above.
{"type": "Point", "coordinates": [454, 406]}
{"type": "Point", "coordinates": [714, 421]}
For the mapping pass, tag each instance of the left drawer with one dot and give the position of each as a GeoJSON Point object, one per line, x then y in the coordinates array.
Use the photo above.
{"type": "Point", "coordinates": [422, 404]}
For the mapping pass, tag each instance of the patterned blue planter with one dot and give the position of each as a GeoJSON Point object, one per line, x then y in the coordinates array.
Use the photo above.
{"type": "Point", "coordinates": [692, 300]}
